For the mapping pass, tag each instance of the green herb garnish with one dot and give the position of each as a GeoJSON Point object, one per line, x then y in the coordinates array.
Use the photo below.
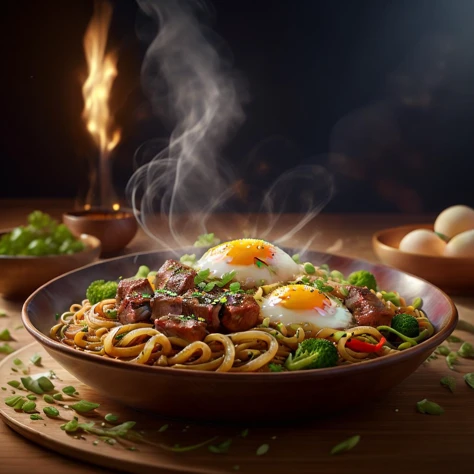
{"type": "Point", "coordinates": [6, 349]}
{"type": "Point", "coordinates": [111, 418]}
{"type": "Point", "coordinates": [48, 399]}
{"type": "Point", "coordinates": [220, 448]}
{"type": "Point", "coordinates": [69, 390]}
{"type": "Point", "coordinates": [448, 382]}
{"type": "Point", "coordinates": [52, 412]}
{"type": "Point", "coordinates": [466, 350]}
{"type": "Point", "coordinates": [5, 335]}
{"type": "Point", "coordinates": [163, 428]}
{"type": "Point", "coordinates": [454, 339]}
{"type": "Point", "coordinates": [14, 383]}
{"type": "Point", "coordinates": [36, 360]}
{"type": "Point", "coordinates": [309, 268]}
{"type": "Point", "coordinates": [430, 408]}
{"type": "Point", "coordinates": [36, 417]}
{"type": "Point", "coordinates": [469, 379]}
{"type": "Point", "coordinates": [262, 449]}
{"type": "Point", "coordinates": [443, 350]}
{"type": "Point", "coordinates": [58, 396]}
{"type": "Point", "coordinates": [451, 359]}
{"type": "Point", "coordinates": [29, 406]}
{"type": "Point", "coordinates": [345, 445]}
{"type": "Point", "coordinates": [83, 406]}
{"type": "Point", "coordinates": [206, 240]}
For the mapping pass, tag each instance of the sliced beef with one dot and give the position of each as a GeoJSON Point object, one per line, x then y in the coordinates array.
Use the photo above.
{"type": "Point", "coordinates": [186, 328]}
{"type": "Point", "coordinates": [134, 309]}
{"type": "Point", "coordinates": [367, 309]}
{"type": "Point", "coordinates": [132, 286]}
{"type": "Point", "coordinates": [240, 313]}
{"type": "Point", "coordinates": [175, 277]}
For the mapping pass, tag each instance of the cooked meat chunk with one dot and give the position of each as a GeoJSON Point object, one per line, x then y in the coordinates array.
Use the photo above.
{"type": "Point", "coordinates": [207, 306]}
{"type": "Point", "coordinates": [176, 277]}
{"type": "Point", "coordinates": [134, 309]}
{"type": "Point", "coordinates": [163, 304]}
{"type": "Point", "coordinates": [240, 313]}
{"type": "Point", "coordinates": [131, 286]}
{"type": "Point", "coordinates": [367, 309]}
{"type": "Point", "coordinates": [189, 329]}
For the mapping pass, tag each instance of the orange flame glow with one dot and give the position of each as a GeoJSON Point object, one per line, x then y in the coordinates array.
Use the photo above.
{"type": "Point", "coordinates": [102, 72]}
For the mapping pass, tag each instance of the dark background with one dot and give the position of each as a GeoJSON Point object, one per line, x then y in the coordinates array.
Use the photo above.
{"type": "Point", "coordinates": [379, 92]}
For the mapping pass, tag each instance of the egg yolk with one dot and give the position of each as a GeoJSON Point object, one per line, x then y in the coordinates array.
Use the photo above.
{"type": "Point", "coordinates": [248, 252]}
{"type": "Point", "coordinates": [300, 297]}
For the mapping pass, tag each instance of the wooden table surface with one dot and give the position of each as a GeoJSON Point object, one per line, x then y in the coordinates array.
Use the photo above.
{"type": "Point", "coordinates": [448, 439]}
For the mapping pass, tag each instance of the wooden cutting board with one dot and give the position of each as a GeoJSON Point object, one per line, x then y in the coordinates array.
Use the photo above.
{"type": "Point", "coordinates": [394, 437]}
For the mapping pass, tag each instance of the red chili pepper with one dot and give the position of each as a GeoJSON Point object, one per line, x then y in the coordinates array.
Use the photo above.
{"type": "Point", "coordinates": [361, 346]}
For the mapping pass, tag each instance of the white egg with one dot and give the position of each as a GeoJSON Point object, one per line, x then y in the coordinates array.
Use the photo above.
{"type": "Point", "coordinates": [461, 245]}
{"type": "Point", "coordinates": [302, 303]}
{"type": "Point", "coordinates": [454, 220]}
{"type": "Point", "coordinates": [422, 242]}
{"type": "Point", "coordinates": [255, 262]}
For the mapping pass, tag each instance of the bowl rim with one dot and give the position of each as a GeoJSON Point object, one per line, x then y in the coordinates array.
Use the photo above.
{"type": "Point", "coordinates": [376, 242]}
{"type": "Point", "coordinates": [385, 361]}
{"type": "Point", "coordinates": [91, 242]}
{"type": "Point", "coordinates": [82, 214]}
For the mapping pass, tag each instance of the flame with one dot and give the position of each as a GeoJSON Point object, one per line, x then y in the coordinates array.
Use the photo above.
{"type": "Point", "coordinates": [102, 73]}
{"type": "Point", "coordinates": [116, 206]}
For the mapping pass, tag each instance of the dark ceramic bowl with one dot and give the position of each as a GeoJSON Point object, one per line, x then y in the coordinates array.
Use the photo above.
{"type": "Point", "coordinates": [20, 275]}
{"type": "Point", "coordinates": [114, 229]}
{"type": "Point", "coordinates": [233, 396]}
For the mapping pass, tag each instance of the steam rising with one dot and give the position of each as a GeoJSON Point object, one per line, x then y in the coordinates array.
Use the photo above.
{"type": "Point", "coordinates": [188, 180]}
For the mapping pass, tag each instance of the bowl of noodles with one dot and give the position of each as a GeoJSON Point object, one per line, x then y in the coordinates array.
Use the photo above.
{"type": "Point", "coordinates": [240, 331]}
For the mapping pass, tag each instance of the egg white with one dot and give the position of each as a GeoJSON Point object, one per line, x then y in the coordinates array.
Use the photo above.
{"type": "Point", "coordinates": [276, 267]}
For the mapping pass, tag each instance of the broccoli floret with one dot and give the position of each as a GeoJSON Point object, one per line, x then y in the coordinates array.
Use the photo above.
{"type": "Point", "coordinates": [363, 278]}
{"type": "Point", "coordinates": [406, 325]}
{"type": "Point", "coordinates": [101, 290]}
{"type": "Point", "coordinates": [143, 272]}
{"type": "Point", "coordinates": [275, 367]}
{"type": "Point", "coordinates": [313, 354]}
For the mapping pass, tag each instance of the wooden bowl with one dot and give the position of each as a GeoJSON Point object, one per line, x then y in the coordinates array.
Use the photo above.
{"type": "Point", "coordinates": [234, 396]}
{"type": "Point", "coordinates": [453, 275]}
{"type": "Point", "coordinates": [21, 275]}
{"type": "Point", "coordinates": [114, 229]}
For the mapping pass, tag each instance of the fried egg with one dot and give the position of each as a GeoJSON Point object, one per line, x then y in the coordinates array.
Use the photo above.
{"type": "Point", "coordinates": [255, 262]}
{"type": "Point", "coordinates": [302, 303]}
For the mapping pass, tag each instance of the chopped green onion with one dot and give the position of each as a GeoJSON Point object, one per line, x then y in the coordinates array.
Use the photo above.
{"type": "Point", "coordinates": [451, 359]}
{"type": "Point", "coordinates": [36, 360]}
{"type": "Point", "coordinates": [262, 449]}
{"type": "Point", "coordinates": [417, 303]}
{"type": "Point", "coordinates": [48, 399]}
{"type": "Point", "coordinates": [345, 445]}
{"type": "Point", "coordinates": [469, 379]}
{"type": "Point", "coordinates": [163, 428]}
{"type": "Point", "coordinates": [70, 426]}
{"type": "Point", "coordinates": [29, 406]}
{"type": "Point", "coordinates": [309, 268]}
{"type": "Point", "coordinates": [466, 350]}
{"type": "Point", "coordinates": [220, 448]}
{"type": "Point", "coordinates": [14, 383]}
{"type": "Point", "coordinates": [31, 397]}
{"type": "Point", "coordinates": [69, 390]}
{"type": "Point", "coordinates": [448, 382]}
{"type": "Point", "coordinates": [5, 335]}
{"type": "Point", "coordinates": [53, 412]}
{"type": "Point", "coordinates": [430, 408]}
{"type": "Point", "coordinates": [443, 350]}
{"type": "Point", "coordinates": [181, 449]}
{"type": "Point", "coordinates": [36, 417]}
{"type": "Point", "coordinates": [454, 339]}
{"type": "Point", "coordinates": [296, 258]}
{"type": "Point", "coordinates": [206, 240]}
{"type": "Point", "coordinates": [111, 418]}
{"type": "Point", "coordinates": [13, 400]}
{"type": "Point", "coordinates": [58, 396]}
{"type": "Point", "coordinates": [84, 406]}
{"type": "Point", "coordinates": [6, 349]}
